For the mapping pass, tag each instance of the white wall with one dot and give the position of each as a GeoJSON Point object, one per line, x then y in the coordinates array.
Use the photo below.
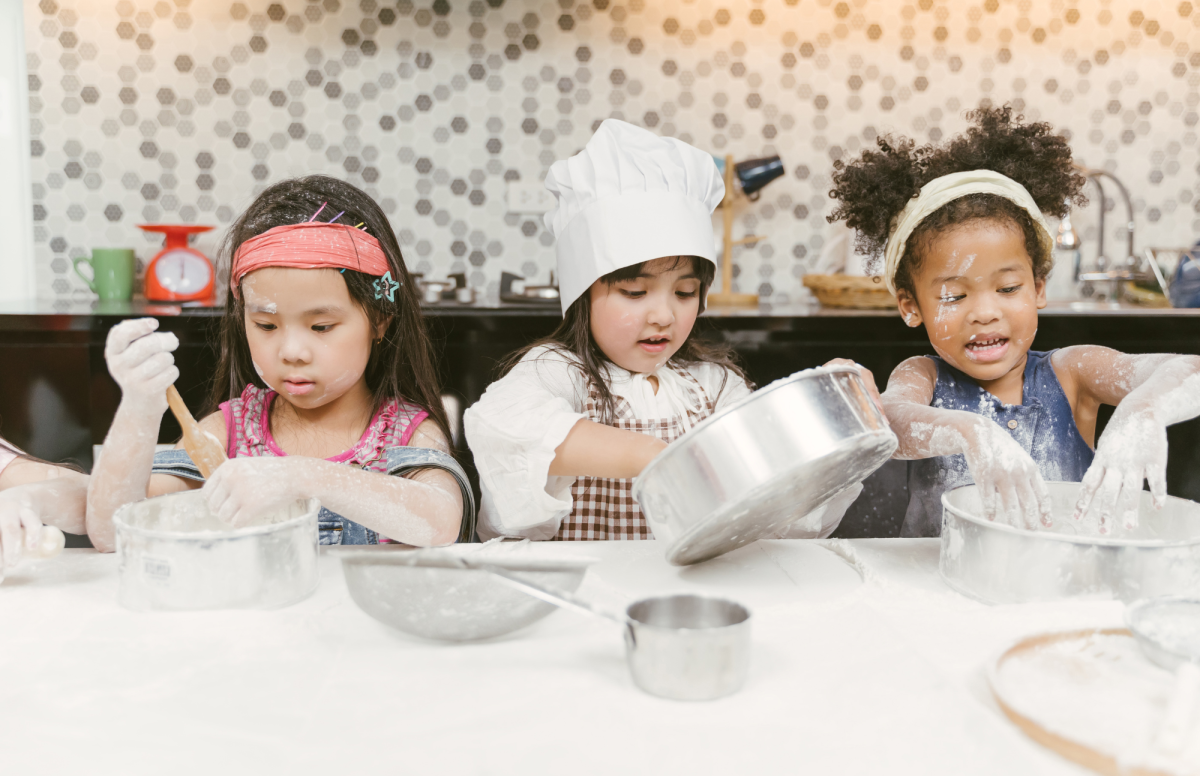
{"type": "Point", "coordinates": [16, 209]}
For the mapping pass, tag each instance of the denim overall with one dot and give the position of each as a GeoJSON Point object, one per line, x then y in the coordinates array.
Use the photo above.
{"type": "Point", "coordinates": [335, 529]}
{"type": "Point", "coordinates": [1043, 425]}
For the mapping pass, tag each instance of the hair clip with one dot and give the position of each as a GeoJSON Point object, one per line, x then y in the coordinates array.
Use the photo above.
{"type": "Point", "coordinates": [359, 225]}
{"type": "Point", "coordinates": [339, 215]}
{"type": "Point", "coordinates": [385, 285]}
{"type": "Point", "coordinates": [314, 215]}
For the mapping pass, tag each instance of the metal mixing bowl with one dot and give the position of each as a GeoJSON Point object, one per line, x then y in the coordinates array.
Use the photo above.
{"type": "Point", "coordinates": [428, 594]}
{"type": "Point", "coordinates": [996, 563]}
{"type": "Point", "coordinates": [172, 553]}
{"type": "Point", "coordinates": [1167, 629]}
{"type": "Point", "coordinates": [753, 468]}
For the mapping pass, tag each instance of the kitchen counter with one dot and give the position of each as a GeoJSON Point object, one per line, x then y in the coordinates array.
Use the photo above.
{"type": "Point", "coordinates": [884, 675]}
{"type": "Point", "coordinates": [66, 315]}
{"type": "Point", "coordinates": [57, 399]}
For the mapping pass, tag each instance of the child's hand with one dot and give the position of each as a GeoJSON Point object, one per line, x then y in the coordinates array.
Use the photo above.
{"type": "Point", "coordinates": [1009, 482]}
{"type": "Point", "coordinates": [868, 379]}
{"type": "Point", "coordinates": [243, 490]}
{"type": "Point", "coordinates": [1133, 449]}
{"type": "Point", "coordinates": [141, 363]}
{"type": "Point", "coordinates": [20, 529]}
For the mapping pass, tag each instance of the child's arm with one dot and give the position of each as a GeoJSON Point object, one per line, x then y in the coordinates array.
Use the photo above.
{"type": "Point", "coordinates": [1150, 392]}
{"type": "Point", "coordinates": [424, 509]}
{"type": "Point", "coordinates": [867, 377]}
{"type": "Point", "coordinates": [141, 363]}
{"type": "Point", "coordinates": [1008, 479]}
{"type": "Point", "coordinates": [63, 492]}
{"type": "Point", "coordinates": [594, 450]}
{"type": "Point", "coordinates": [33, 494]}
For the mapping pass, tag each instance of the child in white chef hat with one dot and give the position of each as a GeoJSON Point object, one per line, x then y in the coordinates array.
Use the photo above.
{"type": "Point", "coordinates": [559, 438]}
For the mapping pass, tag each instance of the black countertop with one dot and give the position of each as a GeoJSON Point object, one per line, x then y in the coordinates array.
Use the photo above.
{"type": "Point", "coordinates": [40, 314]}
{"type": "Point", "coordinates": [57, 399]}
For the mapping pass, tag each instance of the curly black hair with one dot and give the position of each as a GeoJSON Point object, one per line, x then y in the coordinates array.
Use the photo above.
{"type": "Point", "coordinates": [875, 187]}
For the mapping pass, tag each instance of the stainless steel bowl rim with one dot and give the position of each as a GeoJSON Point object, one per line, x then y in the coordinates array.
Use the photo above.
{"type": "Point", "coordinates": [407, 557]}
{"type": "Point", "coordinates": [1055, 536]}
{"type": "Point", "coordinates": [208, 536]}
{"type": "Point", "coordinates": [1150, 645]}
{"type": "Point", "coordinates": [765, 485]}
{"type": "Point", "coordinates": [1138, 608]}
{"type": "Point", "coordinates": [806, 374]}
{"type": "Point", "coordinates": [639, 625]}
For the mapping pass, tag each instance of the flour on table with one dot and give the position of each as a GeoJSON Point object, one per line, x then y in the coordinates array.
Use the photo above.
{"type": "Point", "coordinates": [1099, 691]}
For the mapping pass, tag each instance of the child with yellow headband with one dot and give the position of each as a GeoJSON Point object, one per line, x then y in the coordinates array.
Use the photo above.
{"type": "Point", "coordinates": [325, 387]}
{"type": "Point", "coordinates": [967, 252]}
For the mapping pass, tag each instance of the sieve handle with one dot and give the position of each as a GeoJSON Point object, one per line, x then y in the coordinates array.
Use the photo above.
{"type": "Point", "coordinates": [557, 597]}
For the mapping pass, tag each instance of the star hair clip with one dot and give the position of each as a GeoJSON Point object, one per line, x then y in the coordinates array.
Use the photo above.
{"type": "Point", "coordinates": [386, 286]}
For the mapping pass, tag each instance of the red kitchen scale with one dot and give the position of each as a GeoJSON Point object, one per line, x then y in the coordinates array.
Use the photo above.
{"type": "Point", "coordinates": [179, 273]}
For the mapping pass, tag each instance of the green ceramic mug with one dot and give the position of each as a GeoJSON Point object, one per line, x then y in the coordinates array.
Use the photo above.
{"type": "Point", "coordinates": [112, 272]}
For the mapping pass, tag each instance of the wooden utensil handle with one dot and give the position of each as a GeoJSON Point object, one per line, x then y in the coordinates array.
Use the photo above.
{"type": "Point", "coordinates": [179, 409]}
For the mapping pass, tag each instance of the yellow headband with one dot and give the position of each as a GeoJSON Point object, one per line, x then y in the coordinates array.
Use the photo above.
{"type": "Point", "coordinates": [944, 190]}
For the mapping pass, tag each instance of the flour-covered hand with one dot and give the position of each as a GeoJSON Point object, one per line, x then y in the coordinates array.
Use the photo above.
{"type": "Point", "coordinates": [20, 528]}
{"type": "Point", "coordinates": [1132, 449]}
{"type": "Point", "coordinates": [1010, 485]}
{"type": "Point", "coordinates": [243, 490]}
{"type": "Point", "coordinates": [140, 361]}
{"type": "Point", "coordinates": [868, 379]}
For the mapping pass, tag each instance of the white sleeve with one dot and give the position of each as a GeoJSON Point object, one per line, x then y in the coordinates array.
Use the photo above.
{"type": "Point", "coordinates": [513, 431]}
{"type": "Point", "coordinates": [723, 383]}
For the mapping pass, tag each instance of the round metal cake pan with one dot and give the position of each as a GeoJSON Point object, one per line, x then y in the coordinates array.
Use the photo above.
{"type": "Point", "coordinates": [996, 563]}
{"type": "Point", "coordinates": [759, 465]}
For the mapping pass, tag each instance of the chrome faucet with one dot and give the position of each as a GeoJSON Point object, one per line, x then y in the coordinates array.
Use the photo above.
{"type": "Point", "coordinates": [1115, 273]}
{"type": "Point", "coordinates": [1067, 241]}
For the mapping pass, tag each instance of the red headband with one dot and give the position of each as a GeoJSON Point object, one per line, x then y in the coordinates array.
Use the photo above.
{"type": "Point", "coordinates": [313, 245]}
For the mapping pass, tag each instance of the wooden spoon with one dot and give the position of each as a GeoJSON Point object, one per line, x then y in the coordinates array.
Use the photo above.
{"type": "Point", "coordinates": [204, 449]}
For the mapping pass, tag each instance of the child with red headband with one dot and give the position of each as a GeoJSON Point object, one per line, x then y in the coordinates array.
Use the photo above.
{"type": "Point", "coordinates": [325, 388]}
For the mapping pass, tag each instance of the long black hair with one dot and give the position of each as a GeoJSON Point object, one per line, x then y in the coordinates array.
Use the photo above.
{"type": "Point", "coordinates": [402, 365]}
{"type": "Point", "coordinates": [875, 187]}
{"type": "Point", "coordinates": [573, 338]}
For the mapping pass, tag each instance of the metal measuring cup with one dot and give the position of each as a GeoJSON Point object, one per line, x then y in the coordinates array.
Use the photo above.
{"type": "Point", "coordinates": [683, 647]}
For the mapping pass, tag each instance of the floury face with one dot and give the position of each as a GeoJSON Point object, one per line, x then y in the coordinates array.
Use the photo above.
{"type": "Point", "coordinates": [309, 340]}
{"type": "Point", "coordinates": [640, 323]}
{"type": "Point", "coordinates": [978, 298]}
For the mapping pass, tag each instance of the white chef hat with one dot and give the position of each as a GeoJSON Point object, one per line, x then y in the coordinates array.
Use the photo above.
{"type": "Point", "coordinates": [629, 196]}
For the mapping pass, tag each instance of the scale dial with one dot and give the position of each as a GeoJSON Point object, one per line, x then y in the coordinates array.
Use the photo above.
{"type": "Point", "coordinates": [182, 272]}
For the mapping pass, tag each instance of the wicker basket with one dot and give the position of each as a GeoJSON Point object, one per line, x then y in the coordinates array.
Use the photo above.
{"type": "Point", "coordinates": [1145, 297]}
{"type": "Point", "coordinates": [853, 291]}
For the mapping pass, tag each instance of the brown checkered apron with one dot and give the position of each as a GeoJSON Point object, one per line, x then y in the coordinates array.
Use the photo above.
{"type": "Point", "coordinates": [604, 508]}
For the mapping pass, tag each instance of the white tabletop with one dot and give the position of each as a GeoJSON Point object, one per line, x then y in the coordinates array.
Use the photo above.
{"type": "Point", "coordinates": [847, 676]}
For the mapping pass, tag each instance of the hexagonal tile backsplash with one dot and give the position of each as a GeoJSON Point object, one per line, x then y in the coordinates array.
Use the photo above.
{"type": "Point", "coordinates": [182, 111]}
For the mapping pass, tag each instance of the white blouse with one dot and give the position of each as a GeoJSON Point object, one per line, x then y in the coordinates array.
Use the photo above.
{"type": "Point", "coordinates": [515, 427]}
